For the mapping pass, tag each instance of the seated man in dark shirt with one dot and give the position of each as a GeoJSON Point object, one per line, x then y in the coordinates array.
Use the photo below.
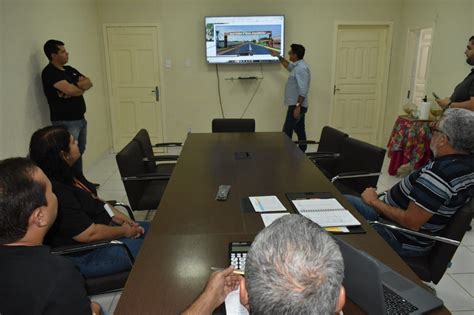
{"type": "Point", "coordinates": [33, 281]}
{"type": "Point", "coordinates": [426, 200]}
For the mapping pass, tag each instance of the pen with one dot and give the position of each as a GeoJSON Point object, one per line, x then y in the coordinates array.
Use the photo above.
{"type": "Point", "coordinates": [259, 204]}
{"type": "Point", "coordinates": [236, 271]}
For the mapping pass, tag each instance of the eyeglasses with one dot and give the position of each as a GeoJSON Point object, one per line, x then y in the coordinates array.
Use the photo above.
{"type": "Point", "coordinates": [433, 129]}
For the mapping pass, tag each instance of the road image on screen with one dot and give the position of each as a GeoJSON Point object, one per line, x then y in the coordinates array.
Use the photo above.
{"type": "Point", "coordinates": [238, 40]}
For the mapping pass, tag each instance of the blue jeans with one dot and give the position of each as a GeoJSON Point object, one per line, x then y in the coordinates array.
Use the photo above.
{"type": "Point", "coordinates": [295, 124]}
{"type": "Point", "coordinates": [109, 260]}
{"type": "Point", "coordinates": [78, 129]}
{"type": "Point", "coordinates": [388, 235]}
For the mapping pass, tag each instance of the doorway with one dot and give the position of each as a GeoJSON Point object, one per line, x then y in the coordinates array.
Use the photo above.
{"type": "Point", "coordinates": [360, 80]}
{"type": "Point", "coordinates": [133, 76]}
{"type": "Point", "coordinates": [415, 69]}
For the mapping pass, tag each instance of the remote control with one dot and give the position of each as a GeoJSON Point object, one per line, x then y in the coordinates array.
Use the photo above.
{"type": "Point", "coordinates": [222, 192]}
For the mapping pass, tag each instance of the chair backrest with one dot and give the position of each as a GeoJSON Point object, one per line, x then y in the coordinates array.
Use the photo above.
{"type": "Point", "coordinates": [233, 125]}
{"type": "Point", "coordinates": [130, 163]}
{"type": "Point", "coordinates": [357, 156]}
{"type": "Point", "coordinates": [442, 253]}
{"type": "Point", "coordinates": [331, 140]}
{"type": "Point", "coordinates": [143, 138]}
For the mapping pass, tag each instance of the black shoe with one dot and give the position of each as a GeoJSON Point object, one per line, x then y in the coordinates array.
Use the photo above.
{"type": "Point", "coordinates": [96, 185]}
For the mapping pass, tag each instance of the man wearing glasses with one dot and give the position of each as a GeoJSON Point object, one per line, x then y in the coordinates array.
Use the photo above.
{"type": "Point", "coordinates": [426, 200]}
{"type": "Point", "coordinates": [296, 91]}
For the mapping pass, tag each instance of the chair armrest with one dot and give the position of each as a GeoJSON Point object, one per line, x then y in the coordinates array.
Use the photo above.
{"type": "Point", "coordinates": [168, 144]}
{"type": "Point", "coordinates": [65, 250]}
{"type": "Point", "coordinates": [306, 142]}
{"type": "Point", "coordinates": [115, 203]}
{"type": "Point", "coordinates": [323, 155]}
{"type": "Point", "coordinates": [158, 158]}
{"type": "Point", "coordinates": [353, 175]}
{"type": "Point", "coordinates": [425, 235]}
{"type": "Point", "coordinates": [147, 177]}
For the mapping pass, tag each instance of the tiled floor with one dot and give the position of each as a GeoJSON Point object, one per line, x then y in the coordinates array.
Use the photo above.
{"type": "Point", "coordinates": [456, 288]}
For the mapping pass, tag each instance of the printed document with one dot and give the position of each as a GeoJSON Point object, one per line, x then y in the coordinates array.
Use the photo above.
{"type": "Point", "coordinates": [325, 212]}
{"type": "Point", "coordinates": [267, 204]}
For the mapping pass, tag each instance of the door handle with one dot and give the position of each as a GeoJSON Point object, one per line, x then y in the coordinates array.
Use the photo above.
{"type": "Point", "coordinates": [335, 89]}
{"type": "Point", "coordinates": [157, 93]}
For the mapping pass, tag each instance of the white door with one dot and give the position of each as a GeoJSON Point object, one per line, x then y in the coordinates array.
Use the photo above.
{"type": "Point", "coordinates": [360, 80]}
{"type": "Point", "coordinates": [417, 58]}
{"type": "Point", "coordinates": [133, 73]}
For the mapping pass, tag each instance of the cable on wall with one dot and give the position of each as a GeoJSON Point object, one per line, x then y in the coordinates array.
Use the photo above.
{"type": "Point", "coordinates": [254, 93]}
{"type": "Point", "coordinates": [219, 90]}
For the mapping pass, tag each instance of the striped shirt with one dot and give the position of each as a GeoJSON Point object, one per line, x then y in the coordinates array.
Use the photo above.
{"type": "Point", "coordinates": [441, 187]}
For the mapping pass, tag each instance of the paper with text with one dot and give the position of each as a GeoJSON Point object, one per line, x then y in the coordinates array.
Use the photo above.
{"type": "Point", "coordinates": [325, 212]}
{"type": "Point", "coordinates": [267, 204]}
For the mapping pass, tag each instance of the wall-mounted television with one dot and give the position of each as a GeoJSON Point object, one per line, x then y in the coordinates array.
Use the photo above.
{"type": "Point", "coordinates": [244, 39]}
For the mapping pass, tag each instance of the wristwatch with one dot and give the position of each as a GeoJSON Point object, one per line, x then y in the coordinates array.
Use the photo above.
{"type": "Point", "coordinates": [297, 104]}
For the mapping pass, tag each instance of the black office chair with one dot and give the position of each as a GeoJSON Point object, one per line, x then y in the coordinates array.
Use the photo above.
{"type": "Point", "coordinates": [233, 125]}
{"type": "Point", "coordinates": [329, 149]}
{"type": "Point", "coordinates": [432, 267]}
{"type": "Point", "coordinates": [163, 164]}
{"type": "Point", "coordinates": [358, 167]}
{"type": "Point", "coordinates": [102, 284]}
{"type": "Point", "coordinates": [144, 189]}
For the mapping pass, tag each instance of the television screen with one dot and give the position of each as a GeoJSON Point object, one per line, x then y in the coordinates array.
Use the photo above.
{"type": "Point", "coordinates": [243, 39]}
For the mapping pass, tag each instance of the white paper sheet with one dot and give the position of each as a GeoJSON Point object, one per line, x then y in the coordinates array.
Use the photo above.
{"type": "Point", "coordinates": [266, 204]}
{"type": "Point", "coordinates": [325, 212]}
{"type": "Point", "coordinates": [232, 304]}
{"type": "Point", "coordinates": [268, 218]}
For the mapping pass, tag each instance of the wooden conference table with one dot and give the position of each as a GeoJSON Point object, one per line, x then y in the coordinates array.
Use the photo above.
{"type": "Point", "coordinates": [191, 230]}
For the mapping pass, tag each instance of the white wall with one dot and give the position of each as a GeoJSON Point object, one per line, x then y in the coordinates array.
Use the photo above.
{"type": "Point", "coordinates": [190, 94]}
{"type": "Point", "coordinates": [453, 26]}
{"type": "Point", "coordinates": [2, 113]}
{"type": "Point", "coordinates": [26, 25]}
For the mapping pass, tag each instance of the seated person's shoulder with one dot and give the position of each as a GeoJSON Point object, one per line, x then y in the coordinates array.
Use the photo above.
{"type": "Point", "coordinates": [49, 284]}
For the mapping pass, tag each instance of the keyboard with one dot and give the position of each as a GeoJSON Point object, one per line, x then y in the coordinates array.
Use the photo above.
{"type": "Point", "coordinates": [395, 304]}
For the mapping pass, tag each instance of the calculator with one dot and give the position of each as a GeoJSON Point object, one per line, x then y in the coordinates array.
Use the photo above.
{"type": "Point", "coordinates": [238, 254]}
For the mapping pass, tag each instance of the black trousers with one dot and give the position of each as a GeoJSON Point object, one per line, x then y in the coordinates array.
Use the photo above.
{"type": "Point", "coordinates": [297, 125]}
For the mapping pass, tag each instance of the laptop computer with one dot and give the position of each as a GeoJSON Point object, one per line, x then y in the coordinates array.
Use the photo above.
{"type": "Point", "coordinates": [378, 289]}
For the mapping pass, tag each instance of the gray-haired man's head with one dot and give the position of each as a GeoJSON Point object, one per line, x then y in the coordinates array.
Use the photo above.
{"type": "Point", "coordinates": [293, 267]}
{"type": "Point", "coordinates": [458, 125]}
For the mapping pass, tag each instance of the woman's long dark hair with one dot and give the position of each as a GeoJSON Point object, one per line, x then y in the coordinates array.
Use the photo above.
{"type": "Point", "coordinates": [46, 146]}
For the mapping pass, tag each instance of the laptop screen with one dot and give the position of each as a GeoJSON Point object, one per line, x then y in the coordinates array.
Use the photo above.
{"type": "Point", "coordinates": [374, 286]}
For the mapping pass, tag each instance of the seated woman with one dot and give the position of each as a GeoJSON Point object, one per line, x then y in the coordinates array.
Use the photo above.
{"type": "Point", "coordinates": [82, 215]}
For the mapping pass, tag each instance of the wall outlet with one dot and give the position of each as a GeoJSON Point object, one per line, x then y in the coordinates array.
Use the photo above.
{"type": "Point", "coordinates": [168, 63]}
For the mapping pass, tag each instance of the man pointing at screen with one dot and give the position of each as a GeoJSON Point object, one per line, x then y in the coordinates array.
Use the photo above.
{"type": "Point", "coordinates": [296, 91]}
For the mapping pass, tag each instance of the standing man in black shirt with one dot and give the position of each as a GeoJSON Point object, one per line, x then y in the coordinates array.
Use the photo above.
{"type": "Point", "coordinates": [463, 95]}
{"type": "Point", "coordinates": [33, 281]}
{"type": "Point", "coordinates": [64, 87]}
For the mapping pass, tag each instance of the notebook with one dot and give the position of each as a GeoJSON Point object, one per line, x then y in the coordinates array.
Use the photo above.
{"type": "Point", "coordinates": [378, 289]}
{"type": "Point", "coordinates": [325, 212]}
{"type": "Point", "coordinates": [323, 209]}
